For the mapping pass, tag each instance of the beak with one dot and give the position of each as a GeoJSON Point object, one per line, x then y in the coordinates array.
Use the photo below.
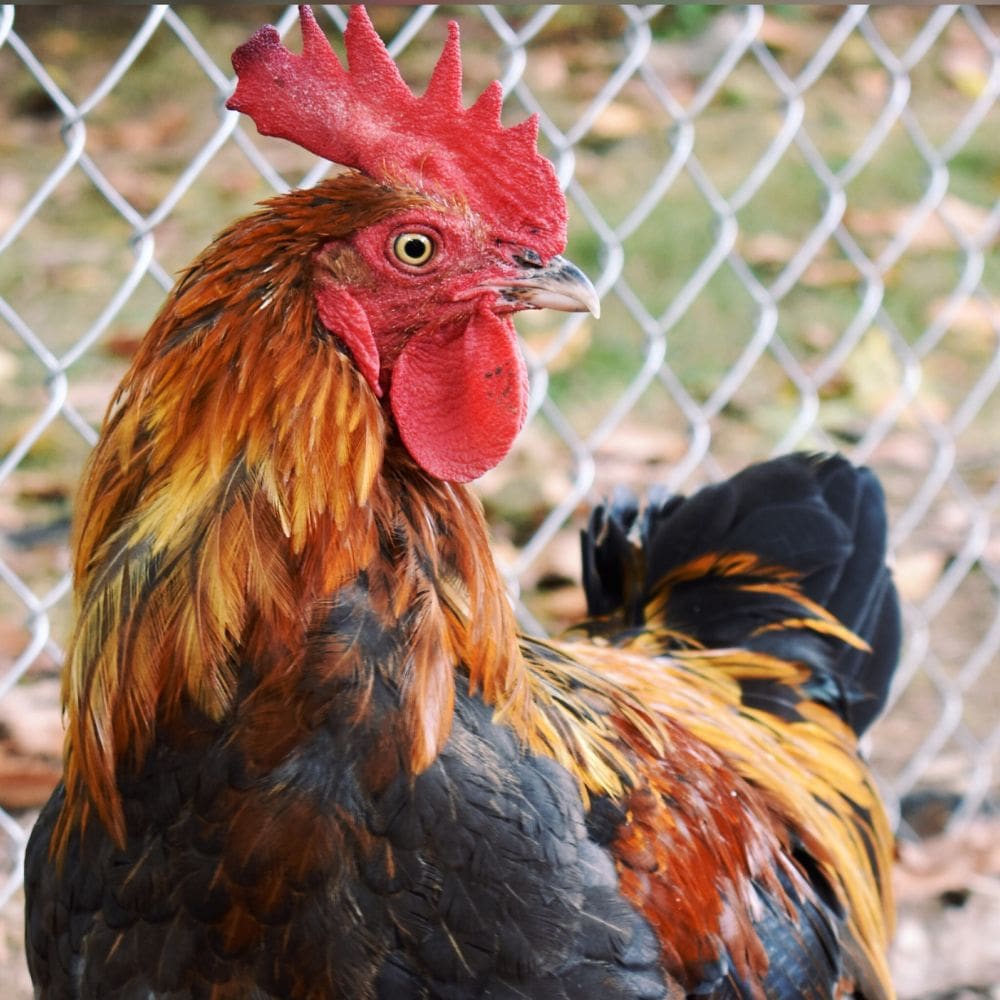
{"type": "Point", "coordinates": [560, 285]}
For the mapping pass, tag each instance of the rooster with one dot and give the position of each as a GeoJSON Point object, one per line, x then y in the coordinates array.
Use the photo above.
{"type": "Point", "coordinates": [308, 753]}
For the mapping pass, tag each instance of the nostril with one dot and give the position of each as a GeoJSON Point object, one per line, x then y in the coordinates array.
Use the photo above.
{"type": "Point", "coordinates": [527, 257]}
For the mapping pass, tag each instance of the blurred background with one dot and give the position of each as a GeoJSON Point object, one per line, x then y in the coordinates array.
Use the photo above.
{"type": "Point", "coordinates": [792, 214]}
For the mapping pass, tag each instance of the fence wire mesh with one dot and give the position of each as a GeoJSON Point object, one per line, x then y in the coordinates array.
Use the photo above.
{"type": "Point", "coordinates": [792, 216]}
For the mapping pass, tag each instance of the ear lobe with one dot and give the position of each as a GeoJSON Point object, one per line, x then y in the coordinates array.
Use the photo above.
{"type": "Point", "coordinates": [343, 316]}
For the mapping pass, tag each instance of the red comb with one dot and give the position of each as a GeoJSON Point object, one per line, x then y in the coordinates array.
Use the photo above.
{"type": "Point", "coordinates": [366, 117]}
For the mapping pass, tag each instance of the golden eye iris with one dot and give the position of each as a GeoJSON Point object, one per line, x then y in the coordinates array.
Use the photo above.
{"type": "Point", "coordinates": [414, 249]}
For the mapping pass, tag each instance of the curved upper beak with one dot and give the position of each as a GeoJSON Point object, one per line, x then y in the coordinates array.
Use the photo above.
{"type": "Point", "coordinates": [559, 285]}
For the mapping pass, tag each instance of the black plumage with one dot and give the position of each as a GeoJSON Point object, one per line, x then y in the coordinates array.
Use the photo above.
{"type": "Point", "coordinates": [819, 519]}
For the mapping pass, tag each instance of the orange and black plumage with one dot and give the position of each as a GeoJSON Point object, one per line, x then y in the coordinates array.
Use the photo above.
{"type": "Point", "coordinates": [308, 753]}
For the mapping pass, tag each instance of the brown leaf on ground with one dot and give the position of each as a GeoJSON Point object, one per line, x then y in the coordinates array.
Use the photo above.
{"type": "Point", "coordinates": [950, 862]}
{"type": "Point", "coordinates": [773, 249]}
{"type": "Point", "coordinates": [13, 193]}
{"type": "Point", "coordinates": [872, 86]}
{"type": "Point", "coordinates": [164, 123]}
{"type": "Point", "coordinates": [25, 782]}
{"type": "Point", "coordinates": [9, 364]}
{"type": "Point", "coordinates": [31, 720]}
{"type": "Point", "coordinates": [14, 637]}
{"type": "Point", "coordinates": [13, 969]}
{"type": "Point", "coordinates": [31, 736]}
{"type": "Point", "coordinates": [560, 608]}
{"type": "Point", "coordinates": [916, 573]}
{"type": "Point", "coordinates": [828, 272]}
{"type": "Point", "coordinates": [637, 455]}
{"type": "Point", "coordinates": [948, 951]}
{"type": "Point", "coordinates": [44, 486]}
{"type": "Point", "coordinates": [781, 35]}
{"type": "Point", "coordinates": [620, 121]}
{"type": "Point", "coordinates": [968, 219]}
{"type": "Point", "coordinates": [965, 61]}
{"type": "Point", "coordinates": [978, 317]}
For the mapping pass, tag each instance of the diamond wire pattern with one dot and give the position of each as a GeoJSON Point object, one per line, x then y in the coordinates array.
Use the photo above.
{"type": "Point", "coordinates": [953, 484]}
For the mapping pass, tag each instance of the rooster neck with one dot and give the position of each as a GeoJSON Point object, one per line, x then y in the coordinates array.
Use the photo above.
{"type": "Point", "coordinates": [238, 616]}
{"type": "Point", "coordinates": [241, 487]}
{"type": "Point", "coordinates": [377, 654]}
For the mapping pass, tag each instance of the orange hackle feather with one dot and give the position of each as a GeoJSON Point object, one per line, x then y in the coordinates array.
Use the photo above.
{"type": "Point", "coordinates": [237, 482]}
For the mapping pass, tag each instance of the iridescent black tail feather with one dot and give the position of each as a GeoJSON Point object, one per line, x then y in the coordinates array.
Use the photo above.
{"type": "Point", "coordinates": [770, 561]}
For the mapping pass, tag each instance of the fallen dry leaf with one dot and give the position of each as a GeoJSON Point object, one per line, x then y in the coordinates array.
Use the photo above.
{"type": "Point", "coordinates": [979, 317]}
{"type": "Point", "coordinates": [782, 35]}
{"type": "Point", "coordinates": [8, 362]}
{"type": "Point", "coordinates": [559, 608]}
{"type": "Point", "coordinates": [907, 449]}
{"type": "Point", "coordinates": [948, 862]}
{"type": "Point", "coordinates": [768, 249]}
{"type": "Point", "coordinates": [559, 560]}
{"type": "Point", "coordinates": [948, 952]}
{"type": "Point", "coordinates": [31, 720]}
{"type": "Point", "coordinates": [549, 69]}
{"type": "Point", "coordinates": [31, 736]}
{"type": "Point", "coordinates": [638, 455]}
{"type": "Point", "coordinates": [965, 61]}
{"type": "Point", "coordinates": [933, 234]}
{"type": "Point", "coordinates": [26, 782]}
{"type": "Point", "coordinates": [620, 121]}
{"type": "Point", "coordinates": [917, 573]}
{"type": "Point", "coordinates": [872, 85]}
{"type": "Point", "coordinates": [829, 273]}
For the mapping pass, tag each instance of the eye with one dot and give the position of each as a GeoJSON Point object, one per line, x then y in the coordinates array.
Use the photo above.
{"type": "Point", "coordinates": [414, 249]}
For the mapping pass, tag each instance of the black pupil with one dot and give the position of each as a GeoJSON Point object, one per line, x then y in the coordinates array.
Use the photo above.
{"type": "Point", "coordinates": [415, 247]}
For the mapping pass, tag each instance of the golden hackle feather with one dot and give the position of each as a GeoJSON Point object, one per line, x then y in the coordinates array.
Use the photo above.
{"type": "Point", "coordinates": [236, 484]}
{"type": "Point", "coordinates": [808, 769]}
{"type": "Point", "coordinates": [209, 477]}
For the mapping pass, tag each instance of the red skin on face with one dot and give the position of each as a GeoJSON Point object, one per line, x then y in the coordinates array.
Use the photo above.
{"type": "Point", "coordinates": [446, 353]}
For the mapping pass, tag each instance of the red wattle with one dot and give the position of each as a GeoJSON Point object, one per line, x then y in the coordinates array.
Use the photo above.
{"type": "Point", "coordinates": [460, 396]}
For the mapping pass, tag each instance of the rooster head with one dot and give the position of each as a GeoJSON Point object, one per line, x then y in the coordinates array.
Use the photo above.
{"type": "Point", "coordinates": [423, 297]}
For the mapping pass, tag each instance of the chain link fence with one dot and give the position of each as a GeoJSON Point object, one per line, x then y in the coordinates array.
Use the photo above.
{"type": "Point", "coordinates": [792, 216]}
